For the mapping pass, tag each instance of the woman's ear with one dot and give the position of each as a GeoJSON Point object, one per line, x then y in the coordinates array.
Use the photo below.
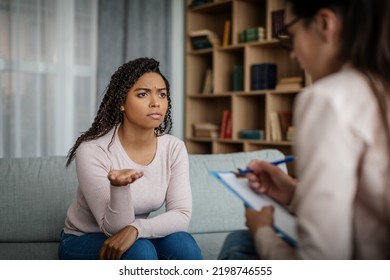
{"type": "Point", "coordinates": [327, 24]}
{"type": "Point", "coordinates": [122, 108]}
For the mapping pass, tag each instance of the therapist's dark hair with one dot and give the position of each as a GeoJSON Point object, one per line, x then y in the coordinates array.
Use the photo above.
{"type": "Point", "coordinates": [365, 40]}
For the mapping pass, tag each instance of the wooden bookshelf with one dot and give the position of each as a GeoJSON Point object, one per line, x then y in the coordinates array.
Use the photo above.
{"type": "Point", "coordinates": [250, 108]}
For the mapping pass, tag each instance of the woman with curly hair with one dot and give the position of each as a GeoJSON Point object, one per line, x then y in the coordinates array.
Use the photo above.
{"type": "Point", "coordinates": [127, 167]}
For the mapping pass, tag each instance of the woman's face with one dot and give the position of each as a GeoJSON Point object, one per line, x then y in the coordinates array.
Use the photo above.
{"type": "Point", "coordinates": [316, 45]}
{"type": "Point", "coordinates": [146, 103]}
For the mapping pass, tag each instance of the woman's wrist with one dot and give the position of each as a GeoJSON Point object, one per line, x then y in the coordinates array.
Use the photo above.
{"type": "Point", "coordinates": [134, 230]}
{"type": "Point", "coordinates": [294, 184]}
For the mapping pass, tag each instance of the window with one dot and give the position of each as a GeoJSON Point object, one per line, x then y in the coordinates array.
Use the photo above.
{"type": "Point", "coordinates": [48, 71]}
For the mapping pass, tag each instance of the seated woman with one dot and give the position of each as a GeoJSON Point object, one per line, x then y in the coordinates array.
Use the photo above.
{"type": "Point", "coordinates": [127, 167]}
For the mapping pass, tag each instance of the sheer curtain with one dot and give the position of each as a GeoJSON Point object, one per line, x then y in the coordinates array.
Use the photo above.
{"type": "Point", "coordinates": [48, 51]}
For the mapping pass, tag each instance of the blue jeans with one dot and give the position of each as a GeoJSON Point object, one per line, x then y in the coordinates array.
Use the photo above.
{"type": "Point", "coordinates": [176, 246]}
{"type": "Point", "coordinates": [239, 245]}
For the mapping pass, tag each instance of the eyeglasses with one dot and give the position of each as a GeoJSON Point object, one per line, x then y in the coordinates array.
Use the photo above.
{"type": "Point", "coordinates": [284, 37]}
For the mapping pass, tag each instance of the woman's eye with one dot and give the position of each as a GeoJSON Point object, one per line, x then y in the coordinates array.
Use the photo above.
{"type": "Point", "coordinates": [162, 94]}
{"type": "Point", "coordinates": [142, 94]}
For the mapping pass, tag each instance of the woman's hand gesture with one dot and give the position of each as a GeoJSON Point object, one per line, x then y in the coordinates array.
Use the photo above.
{"type": "Point", "coordinates": [119, 178]}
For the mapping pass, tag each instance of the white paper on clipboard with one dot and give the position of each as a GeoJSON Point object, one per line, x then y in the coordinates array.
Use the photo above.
{"type": "Point", "coordinates": [284, 221]}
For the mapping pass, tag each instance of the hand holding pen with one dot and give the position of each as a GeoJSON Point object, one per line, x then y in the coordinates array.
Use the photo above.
{"type": "Point", "coordinates": [266, 178]}
{"type": "Point", "coordinates": [277, 162]}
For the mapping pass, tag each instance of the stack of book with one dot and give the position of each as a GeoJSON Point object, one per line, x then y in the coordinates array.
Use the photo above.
{"type": "Point", "coordinates": [252, 34]}
{"type": "Point", "coordinates": [290, 83]}
{"type": "Point", "coordinates": [263, 76]}
{"type": "Point", "coordinates": [205, 130]}
{"type": "Point", "coordinates": [203, 39]}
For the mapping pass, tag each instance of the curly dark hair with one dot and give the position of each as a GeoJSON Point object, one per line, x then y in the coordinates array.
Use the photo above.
{"type": "Point", "coordinates": [109, 114]}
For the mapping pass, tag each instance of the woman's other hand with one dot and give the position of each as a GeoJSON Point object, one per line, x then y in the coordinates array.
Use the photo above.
{"type": "Point", "coordinates": [114, 247]}
{"type": "Point", "coordinates": [257, 219]}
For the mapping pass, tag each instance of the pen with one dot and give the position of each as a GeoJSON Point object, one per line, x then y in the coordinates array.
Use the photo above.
{"type": "Point", "coordinates": [277, 162]}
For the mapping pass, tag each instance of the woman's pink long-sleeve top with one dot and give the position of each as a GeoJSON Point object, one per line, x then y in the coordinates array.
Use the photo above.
{"type": "Point", "coordinates": [101, 207]}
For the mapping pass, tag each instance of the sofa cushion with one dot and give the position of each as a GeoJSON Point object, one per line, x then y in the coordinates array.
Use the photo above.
{"type": "Point", "coordinates": [35, 195]}
{"type": "Point", "coordinates": [29, 251]}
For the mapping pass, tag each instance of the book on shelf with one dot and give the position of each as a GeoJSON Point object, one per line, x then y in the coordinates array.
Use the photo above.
{"type": "Point", "coordinates": [203, 39]}
{"type": "Point", "coordinates": [200, 42]}
{"type": "Point", "coordinates": [197, 3]}
{"type": "Point", "coordinates": [226, 125]}
{"type": "Point", "coordinates": [290, 83]}
{"type": "Point", "coordinates": [291, 80]}
{"type": "Point", "coordinates": [277, 23]}
{"type": "Point", "coordinates": [226, 33]}
{"type": "Point", "coordinates": [238, 77]}
{"type": "Point", "coordinates": [225, 115]}
{"type": "Point", "coordinates": [229, 126]}
{"type": "Point", "coordinates": [290, 133]}
{"type": "Point", "coordinates": [275, 126]}
{"type": "Point", "coordinates": [208, 81]}
{"type": "Point", "coordinates": [257, 134]}
{"type": "Point", "coordinates": [263, 76]}
{"type": "Point", "coordinates": [252, 34]}
{"type": "Point", "coordinates": [288, 87]}
{"type": "Point", "coordinates": [206, 130]}
{"type": "Point", "coordinates": [285, 122]}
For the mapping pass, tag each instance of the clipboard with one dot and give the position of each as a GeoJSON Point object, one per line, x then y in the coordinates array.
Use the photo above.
{"type": "Point", "coordinates": [284, 221]}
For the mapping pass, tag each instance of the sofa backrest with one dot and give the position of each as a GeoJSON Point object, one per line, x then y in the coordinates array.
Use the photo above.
{"type": "Point", "coordinates": [35, 194]}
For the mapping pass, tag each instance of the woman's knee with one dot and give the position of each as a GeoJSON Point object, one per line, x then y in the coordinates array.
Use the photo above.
{"type": "Point", "coordinates": [179, 245]}
{"type": "Point", "coordinates": [84, 247]}
{"type": "Point", "coordinates": [142, 249]}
